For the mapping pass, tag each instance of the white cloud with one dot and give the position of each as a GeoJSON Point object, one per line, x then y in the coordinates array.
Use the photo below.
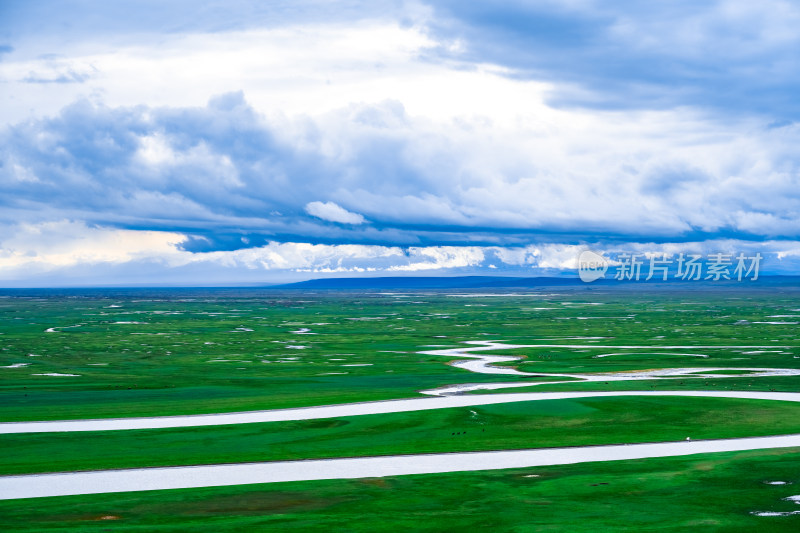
{"type": "Point", "coordinates": [471, 152]}
{"type": "Point", "coordinates": [333, 213]}
{"type": "Point", "coordinates": [297, 68]}
{"type": "Point", "coordinates": [67, 252]}
{"type": "Point", "coordinates": [441, 257]}
{"type": "Point", "coordinates": [52, 245]}
{"type": "Point", "coordinates": [639, 175]}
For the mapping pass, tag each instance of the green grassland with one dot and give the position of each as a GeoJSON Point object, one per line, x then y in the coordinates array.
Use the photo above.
{"type": "Point", "coordinates": [714, 492]}
{"type": "Point", "coordinates": [192, 352]}
{"type": "Point", "coordinates": [151, 353]}
{"type": "Point", "coordinates": [539, 424]}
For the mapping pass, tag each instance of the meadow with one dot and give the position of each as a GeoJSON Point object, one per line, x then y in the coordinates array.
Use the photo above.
{"type": "Point", "coordinates": [715, 492]}
{"type": "Point", "coordinates": [124, 353]}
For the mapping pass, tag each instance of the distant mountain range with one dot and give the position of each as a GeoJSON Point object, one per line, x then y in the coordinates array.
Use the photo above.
{"type": "Point", "coordinates": [431, 282]}
{"type": "Point", "coordinates": [505, 282]}
{"type": "Point", "coordinates": [765, 282]}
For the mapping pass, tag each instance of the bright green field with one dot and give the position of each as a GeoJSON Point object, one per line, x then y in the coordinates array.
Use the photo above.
{"type": "Point", "coordinates": [191, 352]}
{"type": "Point", "coordinates": [715, 492]}
{"type": "Point", "coordinates": [540, 424]}
{"type": "Point", "coordinates": [151, 352]}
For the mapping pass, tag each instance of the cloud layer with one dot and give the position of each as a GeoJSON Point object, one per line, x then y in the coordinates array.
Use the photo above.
{"type": "Point", "coordinates": [333, 213]}
{"type": "Point", "coordinates": [374, 173]}
{"type": "Point", "coordinates": [407, 137]}
{"type": "Point", "coordinates": [65, 253]}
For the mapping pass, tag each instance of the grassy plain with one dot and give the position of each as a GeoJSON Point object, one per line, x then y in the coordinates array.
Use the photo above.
{"type": "Point", "coordinates": [140, 353]}
{"type": "Point", "coordinates": [540, 424]}
{"type": "Point", "coordinates": [714, 492]}
{"type": "Point", "coordinates": [151, 352]}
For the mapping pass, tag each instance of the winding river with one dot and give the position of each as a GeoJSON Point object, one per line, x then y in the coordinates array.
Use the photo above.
{"type": "Point", "coordinates": [182, 477]}
{"type": "Point", "coordinates": [41, 485]}
{"type": "Point", "coordinates": [355, 409]}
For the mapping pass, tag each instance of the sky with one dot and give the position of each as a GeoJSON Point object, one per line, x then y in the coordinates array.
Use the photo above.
{"type": "Point", "coordinates": [239, 142]}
